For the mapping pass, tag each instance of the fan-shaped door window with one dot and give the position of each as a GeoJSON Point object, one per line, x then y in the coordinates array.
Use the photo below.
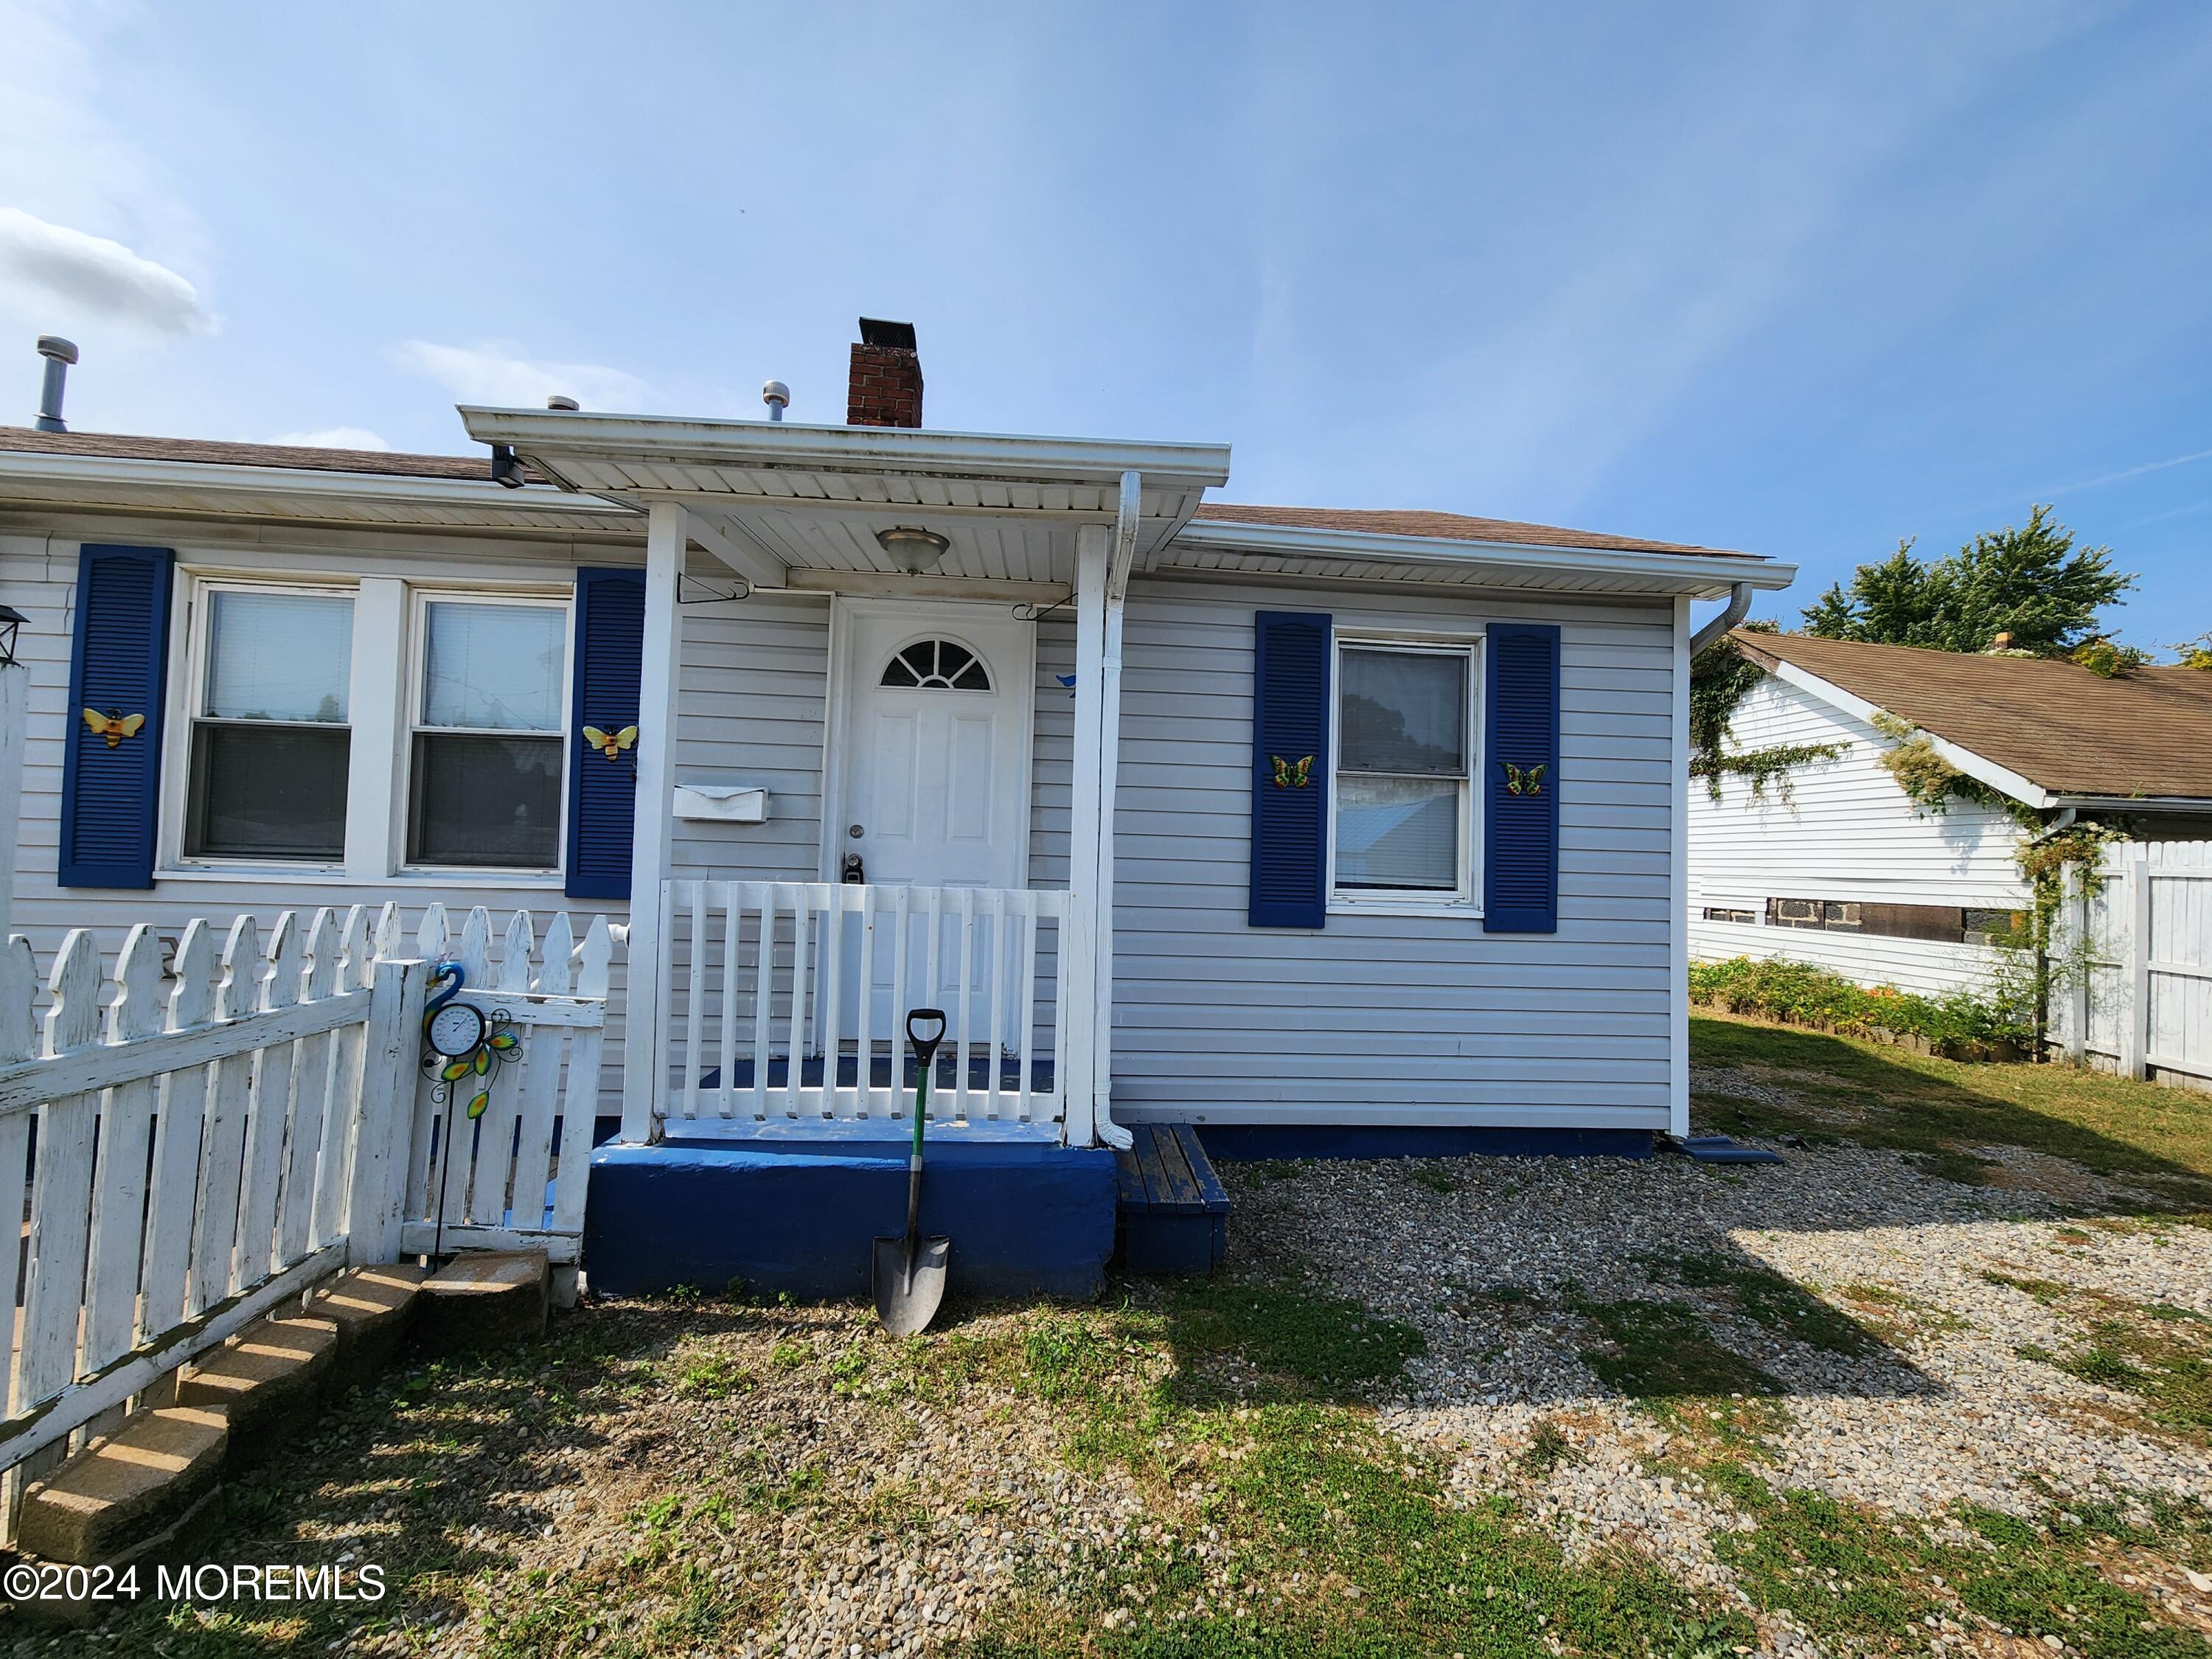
{"type": "Point", "coordinates": [937, 665]}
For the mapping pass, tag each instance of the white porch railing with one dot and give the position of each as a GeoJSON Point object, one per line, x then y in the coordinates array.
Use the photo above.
{"type": "Point", "coordinates": [785, 1006]}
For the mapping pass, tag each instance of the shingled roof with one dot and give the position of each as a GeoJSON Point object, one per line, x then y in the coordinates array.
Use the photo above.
{"type": "Point", "coordinates": [2146, 734]}
{"type": "Point", "coordinates": [1447, 526]}
{"type": "Point", "coordinates": [123, 446]}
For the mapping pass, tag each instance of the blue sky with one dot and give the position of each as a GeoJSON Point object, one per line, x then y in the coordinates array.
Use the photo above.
{"type": "Point", "coordinates": [1798, 279]}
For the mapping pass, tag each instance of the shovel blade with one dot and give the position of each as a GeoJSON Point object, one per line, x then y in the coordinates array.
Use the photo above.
{"type": "Point", "coordinates": [908, 1291]}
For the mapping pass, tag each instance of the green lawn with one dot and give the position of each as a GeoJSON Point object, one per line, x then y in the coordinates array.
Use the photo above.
{"type": "Point", "coordinates": [2157, 1137]}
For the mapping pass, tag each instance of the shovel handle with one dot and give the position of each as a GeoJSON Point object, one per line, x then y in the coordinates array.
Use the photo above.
{"type": "Point", "coordinates": [925, 1046]}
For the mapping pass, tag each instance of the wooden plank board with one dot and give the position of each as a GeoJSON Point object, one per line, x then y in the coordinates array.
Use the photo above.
{"type": "Point", "coordinates": [1210, 1189]}
{"type": "Point", "coordinates": [1182, 1194]}
{"type": "Point", "coordinates": [1160, 1189]}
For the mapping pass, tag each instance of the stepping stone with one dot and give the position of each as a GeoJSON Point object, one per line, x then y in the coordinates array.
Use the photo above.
{"type": "Point", "coordinates": [481, 1299]}
{"type": "Point", "coordinates": [126, 1490]}
{"type": "Point", "coordinates": [372, 1307]}
{"type": "Point", "coordinates": [269, 1379]}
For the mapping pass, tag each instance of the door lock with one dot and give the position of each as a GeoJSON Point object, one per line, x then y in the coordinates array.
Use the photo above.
{"type": "Point", "coordinates": [855, 874]}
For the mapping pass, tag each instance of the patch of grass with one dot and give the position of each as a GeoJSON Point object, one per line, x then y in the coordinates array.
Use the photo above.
{"type": "Point", "coordinates": [1442, 1183]}
{"type": "Point", "coordinates": [1856, 1575]}
{"type": "Point", "coordinates": [1768, 1298]}
{"type": "Point", "coordinates": [789, 1355]}
{"type": "Point", "coordinates": [1664, 1351]}
{"type": "Point", "coordinates": [1895, 1099]}
{"type": "Point", "coordinates": [2045, 1290]}
{"type": "Point", "coordinates": [1960, 1169]}
{"type": "Point", "coordinates": [710, 1376]}
{"type": "Point", "coordinates": [1893, 1314]}
{"type": "Point", "coordinates": [1293, 1343]}
{"type": "Point", "coordinates": [2160, 1353]}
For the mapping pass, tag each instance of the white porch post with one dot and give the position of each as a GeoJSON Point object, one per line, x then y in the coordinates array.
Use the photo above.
{"type": "Point", "coordinates": [644, 1030]}
{"type": "Point", "coordinates": [1078, 959]}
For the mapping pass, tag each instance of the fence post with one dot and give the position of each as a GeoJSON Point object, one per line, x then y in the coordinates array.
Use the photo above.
{"type": "Point", "coordinates": [384, 1113]}
{"type": "Point", "coordinates": [2134, 1034]}
{"type": "Point", "coordinates": [2082, 961]}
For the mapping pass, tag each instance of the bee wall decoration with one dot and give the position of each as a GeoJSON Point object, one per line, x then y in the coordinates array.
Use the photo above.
{"type": "Point", "coordinates": [611, 743]}
{"type": "Point", "coordinates": [113, 725]}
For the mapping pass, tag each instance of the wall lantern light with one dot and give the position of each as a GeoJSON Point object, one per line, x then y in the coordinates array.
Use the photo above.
{"type": "Point", "coordinates": [11, 623]}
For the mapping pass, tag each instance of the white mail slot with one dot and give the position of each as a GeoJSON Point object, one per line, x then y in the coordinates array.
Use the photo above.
{"type": "Point", "coordinates": [721, 803]}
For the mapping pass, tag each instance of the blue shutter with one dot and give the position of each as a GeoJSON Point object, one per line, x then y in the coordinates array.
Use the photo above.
{"type": "Point", "coordinates": [1521, 832]}
{"type": "Point", "coordinates": [603, 792]}
{"type": "Point", "coordinates": [1290, 722]}
{"type": "Point", "coordinates": [119, 667]}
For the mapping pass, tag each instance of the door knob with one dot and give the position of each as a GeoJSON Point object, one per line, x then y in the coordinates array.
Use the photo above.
{"type": "Point", "coordinates": [855, 874]}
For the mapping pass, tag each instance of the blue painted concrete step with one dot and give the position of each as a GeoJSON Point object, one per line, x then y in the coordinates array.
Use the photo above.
{"type": "Point", "coordinates": [1025, 1217]}
{"type": "Point", "coordinates": [1174, 1213]}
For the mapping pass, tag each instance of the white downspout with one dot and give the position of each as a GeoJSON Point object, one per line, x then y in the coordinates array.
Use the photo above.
{"type": "Point", "coordinates": [1119, 559]}
{"type": "Point", "coordinates": [1739, 607]}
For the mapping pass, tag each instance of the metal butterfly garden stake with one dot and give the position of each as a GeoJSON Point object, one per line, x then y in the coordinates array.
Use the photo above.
{"type": "Point", "coordinates": [461, 1045]}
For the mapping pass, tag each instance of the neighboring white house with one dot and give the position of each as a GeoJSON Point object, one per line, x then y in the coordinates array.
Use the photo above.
{"type": "Point", "coordinates": [1834, 864]}
{"type": "Point", "coordinates": [1241, 816]}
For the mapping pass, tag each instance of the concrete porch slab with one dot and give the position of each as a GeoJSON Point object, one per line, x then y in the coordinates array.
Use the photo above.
{"type": "Point", "coordinates": [1024, 1219]}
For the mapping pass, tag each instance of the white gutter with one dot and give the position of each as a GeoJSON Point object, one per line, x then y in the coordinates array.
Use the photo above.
{"type": "Point", "coordinates": [84, 477]}
{"type": "Point", "coordinates": [1709, 573]}
{"type": "Point", "coordinates": [537, 433]}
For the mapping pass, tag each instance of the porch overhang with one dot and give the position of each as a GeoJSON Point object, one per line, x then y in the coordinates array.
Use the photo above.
{"type": "Point", "coordinates": [791, 505]}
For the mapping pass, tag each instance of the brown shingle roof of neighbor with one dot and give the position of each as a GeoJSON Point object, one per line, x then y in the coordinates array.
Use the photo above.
{"type": "Point", "coordinates": [1448, 526]}
{"type": "Point", "coordinates": [122, 446]}
{"type": "Point", "coordinates": [2148, 732]}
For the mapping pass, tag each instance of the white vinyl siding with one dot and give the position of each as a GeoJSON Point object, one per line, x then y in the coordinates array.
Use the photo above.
{"type": "Point", "coordinates": [1845, 833]}
{"type": "Point", "coordinates": [1381, 1019]}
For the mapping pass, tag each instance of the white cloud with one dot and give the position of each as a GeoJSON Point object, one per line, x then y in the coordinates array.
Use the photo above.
{"type": "Point", "coordinates": [94, 277]}
{"type": "Point", "coordinates": [334, 437]}
{"type": "Point", "coordinates": [499, 374]}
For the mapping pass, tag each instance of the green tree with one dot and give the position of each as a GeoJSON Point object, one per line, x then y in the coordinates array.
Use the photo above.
{"type": "Point", "coordinates": [2030, 581]}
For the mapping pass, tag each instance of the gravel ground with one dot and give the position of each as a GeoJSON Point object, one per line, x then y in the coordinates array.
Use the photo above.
{"type": "Point", "coordinates": [597, 1522]}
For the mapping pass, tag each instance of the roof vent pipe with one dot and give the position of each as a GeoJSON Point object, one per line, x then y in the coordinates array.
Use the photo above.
{"type": "Point", "coordinates": [1739, 605]}
{"type": "Point", "coordinates": [560, 400]}
{"type": "Point", "coordinates": [777, 396]}
{"type": "Point", "coordinates": [59, 355]}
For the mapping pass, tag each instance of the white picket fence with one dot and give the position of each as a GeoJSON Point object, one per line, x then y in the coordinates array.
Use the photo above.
{"type": "Point", "coordinates": [234, 1123]}
{"type": "Point", "coordinates": [517, 1175]}
{"type": "Point", "coordinates": [2144, 1007]}
{"type": "Point", "coordinates": [787, 1005]}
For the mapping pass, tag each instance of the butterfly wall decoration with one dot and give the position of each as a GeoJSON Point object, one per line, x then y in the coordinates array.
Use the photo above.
{"type": "Point", "coordinates": [113, 725]}
{"type": "Point", "coordinates": [1524, 780]}
{"type": "Point", "coordinates": [611, 743]}
{"type": "Point", "coordinates": [1292, 775]}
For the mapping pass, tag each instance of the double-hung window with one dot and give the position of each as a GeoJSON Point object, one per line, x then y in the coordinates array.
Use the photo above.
{"type": "Point", "coordinates": [488, 733]}
{"type": "Point", "coordinates": [270, 744]}
{"type": "Point", "coordinates": [1403, 830]}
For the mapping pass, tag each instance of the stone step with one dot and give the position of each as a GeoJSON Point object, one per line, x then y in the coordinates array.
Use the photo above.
{"type": "Point", "coordinates": [268, 1379]}
{"type": "Point", "coordinates": [481, 1299]}
{"type": "Point", "coordinates": [372, 1309]}
{"type": "Point", "coordinates": [126, 1490]}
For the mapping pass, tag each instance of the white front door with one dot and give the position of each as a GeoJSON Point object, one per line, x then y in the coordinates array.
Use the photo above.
{"type": "Point", "coordinates": [932, 765]}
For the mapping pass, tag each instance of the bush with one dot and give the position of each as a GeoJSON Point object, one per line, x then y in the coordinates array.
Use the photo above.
{"type": "Point", "coordinates": [1960, 1025]}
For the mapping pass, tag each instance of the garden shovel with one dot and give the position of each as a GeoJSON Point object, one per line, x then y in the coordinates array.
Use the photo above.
{"type": "Point", "coordinates": [910, 1271]}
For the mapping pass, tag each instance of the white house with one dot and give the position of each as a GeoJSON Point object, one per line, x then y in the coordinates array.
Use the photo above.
{"type": "Point", "coordinates": [1319, 828]}
{"type": "Point", "coordinates": [1837, 866]}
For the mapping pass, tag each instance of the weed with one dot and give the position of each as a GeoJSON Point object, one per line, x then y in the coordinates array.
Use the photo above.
{"type": "Point", "coordinates": [1442, 1183]}
{"type": "Point", "coordinates": [1548, 1448]}
{"type": "Point", "coordinates": [789, 1355]}
{"type": "Point", "coordinates": [1661, 1350]}
{"type": "Point", "coordinates": [1767, 1298]}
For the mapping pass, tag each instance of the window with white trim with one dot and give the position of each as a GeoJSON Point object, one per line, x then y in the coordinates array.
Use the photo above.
{"type": "Point", "coordinates": [1401, 791]}
{"type": "Point", "coordinates": [487, 733]}
{"type": "Point", "coordinates": [270, 740]}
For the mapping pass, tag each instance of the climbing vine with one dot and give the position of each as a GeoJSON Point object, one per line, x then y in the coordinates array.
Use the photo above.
{"type": "Point", "coordinates": [2041, 962]}
{"type": "Point", "coordinates": [1720, 679]}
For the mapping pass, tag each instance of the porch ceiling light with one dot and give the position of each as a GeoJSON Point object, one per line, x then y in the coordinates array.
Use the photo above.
{"type": "Point", "coordinates": [11, 623]}
{"type": "Point", "coordinates": [916, 552]}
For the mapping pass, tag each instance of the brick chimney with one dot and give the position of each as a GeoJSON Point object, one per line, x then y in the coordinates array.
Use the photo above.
{"type": "Point", "coordinates": [885, 388]}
